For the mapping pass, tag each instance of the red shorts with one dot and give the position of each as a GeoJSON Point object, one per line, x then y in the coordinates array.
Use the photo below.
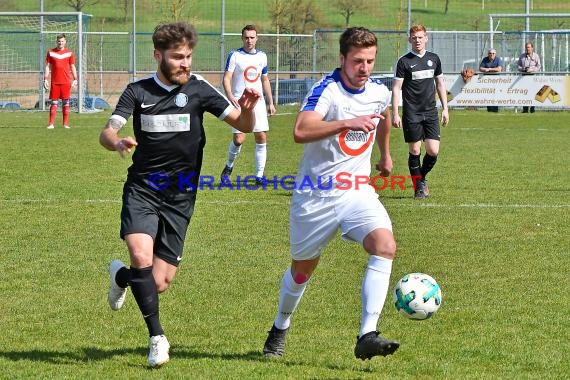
{"type": "Point", "coordinates": [60, 91]}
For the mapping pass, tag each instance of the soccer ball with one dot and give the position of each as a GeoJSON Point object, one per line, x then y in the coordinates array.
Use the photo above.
{"type": "Point", "coordinates": [417, 296]}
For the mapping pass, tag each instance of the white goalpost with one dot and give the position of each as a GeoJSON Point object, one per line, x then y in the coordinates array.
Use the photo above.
{"type": "Point", "coordinates": [25, 38]}
{"type": "Point", "coordinates": [553, 45]}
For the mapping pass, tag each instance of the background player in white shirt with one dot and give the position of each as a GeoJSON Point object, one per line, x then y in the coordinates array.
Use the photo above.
{"type": "Point", "coordinates": [246, 67]}
{"type": "Point", "coordinates": [341, 117]}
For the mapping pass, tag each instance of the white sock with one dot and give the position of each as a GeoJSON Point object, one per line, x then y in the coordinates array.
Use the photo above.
{"type": "Point", "coordinates": [233, 153]}
{"type": "Point", "coordinates": [289, 297]}
{"type": "Point", "coordinates": [374, 291]}
{"type": "Point", "coordinates": [260, 159]}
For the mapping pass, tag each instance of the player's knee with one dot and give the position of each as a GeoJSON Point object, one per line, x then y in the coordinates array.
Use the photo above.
{"type": "Point", "coordinates": [238, 138]}
{"type": "Point", "coordinates": [260, 138]}
{"type": "Point", "coordinates": [433, 152]}
{"type": "Point", "coordinates": [54, 103]}
{"type": "Point", "coordinates": [162, 284]}
{"type": "Point", "coordinates": [65, 102]}
{"type": "Point", "coordinates": [381, 244]}
{"type": "Point", "coordinates": [300, 277]}
{"type": "Point", "coordinates": [387, 249]}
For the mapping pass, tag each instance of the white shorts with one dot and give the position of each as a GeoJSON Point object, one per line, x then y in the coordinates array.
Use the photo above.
{"type": "Point", "coordinates": [314, 220]}
{"type": "Point", "coordinates": [261, 122]}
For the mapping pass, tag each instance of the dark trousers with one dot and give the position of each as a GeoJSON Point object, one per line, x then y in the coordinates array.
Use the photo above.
{"type": "Point", "coordinates": [492, 108]}
{"type": "Point", "coordinates": [526, 109]}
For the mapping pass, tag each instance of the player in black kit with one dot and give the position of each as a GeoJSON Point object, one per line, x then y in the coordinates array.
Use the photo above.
{"type": "Point", "coordinates": [419, 76]}
{"type": "Point", "coordinates": [160, 190]}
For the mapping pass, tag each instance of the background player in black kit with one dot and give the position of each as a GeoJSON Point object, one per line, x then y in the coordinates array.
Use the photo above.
{"type": "Point", "coordinates": [419, 75]}
{"type": "Point", "coordinates": [160, 191]}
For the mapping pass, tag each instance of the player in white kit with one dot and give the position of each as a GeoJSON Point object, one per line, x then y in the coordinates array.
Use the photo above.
{"type": "Point", "coordinates": [340, 118]}
{"type": "Point", "coordinates": [246, 67]}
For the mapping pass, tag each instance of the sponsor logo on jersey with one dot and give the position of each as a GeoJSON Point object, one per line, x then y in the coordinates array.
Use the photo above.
{"type": "Point", "coordinates": [56, 55]}
{"type": "Point", "coordinates": [355, 143]}
{"type": "Point", "coordinates": [423, 74]}
{"type": "Point", "coordinates": [251, 74]}
{"type": "Point", "coordinates": [166, 123]}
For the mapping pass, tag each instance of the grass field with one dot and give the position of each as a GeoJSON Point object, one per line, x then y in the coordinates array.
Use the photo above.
{"type": "Point", "coordinates": [494, 233]}
{"type": "Point", "coordinates": [108, 15]}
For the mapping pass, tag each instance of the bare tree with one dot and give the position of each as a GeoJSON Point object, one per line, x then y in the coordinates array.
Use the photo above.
{"type": "Point", "coordinates": [78, 5]}
{"type": "Point", "coordinates": [176, 10]}
{"type": "Point", "coordinates": [294, 17]}
{"type": "Point", "coordinates": [477, 21]}
{"type": "Point", "coordinates": [347, 8]}
{"type": "Point", "coordinates": [125, 4]}
{"type": "Point", "coordinates": [277, 13]}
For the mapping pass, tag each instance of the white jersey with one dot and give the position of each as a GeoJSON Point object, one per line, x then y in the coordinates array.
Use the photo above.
{"type": "Point", "coordinates": [247, 69]}
{"type": "Point", "coordinates": [329, 166]}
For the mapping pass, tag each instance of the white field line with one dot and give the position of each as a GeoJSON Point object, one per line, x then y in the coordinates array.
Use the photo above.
{"type": "Point", "coordinates": [230, 202]}
{"type": "Point", "coordinates": [499, 129]}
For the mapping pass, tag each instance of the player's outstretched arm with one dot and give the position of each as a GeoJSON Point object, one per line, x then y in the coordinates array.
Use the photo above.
{"type": "Point", "coordinates": [110, 139]}
{"type": "Point", "coordinates": [310, 126]}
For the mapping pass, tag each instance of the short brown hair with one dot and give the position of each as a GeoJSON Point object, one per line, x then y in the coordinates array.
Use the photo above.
{"type": "Point", "coordinates": [167, 36]}
{"type": "Point", "coordinates": [249, 27]}
{"type": "Point", "coordinates": [358, 37]}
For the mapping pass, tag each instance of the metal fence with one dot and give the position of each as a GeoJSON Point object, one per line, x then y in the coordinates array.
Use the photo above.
{"type": "Point", "coordinates": [109, 62]}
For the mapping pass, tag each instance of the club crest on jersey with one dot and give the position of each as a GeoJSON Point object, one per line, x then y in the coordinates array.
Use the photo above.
{"type": "Point", "coordinates": [181, 100]}
{"type": "Point", "coordinates": [429, 63]}
{"type": "Point", "coordinates": [355, 143]}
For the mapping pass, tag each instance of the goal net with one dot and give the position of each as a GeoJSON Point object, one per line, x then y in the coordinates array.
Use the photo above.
{"type": "Point", "coordinates": [25, 38]}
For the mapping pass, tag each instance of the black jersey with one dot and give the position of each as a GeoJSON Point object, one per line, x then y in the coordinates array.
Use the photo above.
{"type": "Point", "coordinates": [418, 88]}
{"type": "Point", "coordinates": [168, 127]}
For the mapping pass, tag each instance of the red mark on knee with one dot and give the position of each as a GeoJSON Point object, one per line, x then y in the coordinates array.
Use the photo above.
{"type": "Point", "coordinates": [300, 278]}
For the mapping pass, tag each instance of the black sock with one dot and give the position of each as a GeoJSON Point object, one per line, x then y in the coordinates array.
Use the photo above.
{"type": "Point", "coordinates": [145, 293]}
{"type": "Point", "coordinates": [414, 166]}
{"type": "Point", "coordinates": [427, 165]}
{"type": "Point", "coordinates": [123, 277]}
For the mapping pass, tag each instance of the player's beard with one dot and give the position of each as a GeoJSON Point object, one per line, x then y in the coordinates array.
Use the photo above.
{"type": "Point", "coordinates": [174, 75]}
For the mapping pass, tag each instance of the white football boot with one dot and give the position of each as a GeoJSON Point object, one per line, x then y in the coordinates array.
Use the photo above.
{"type": "Point", "coordinates": [158, 349]}
{"type": "Point", "coordinates": [116, 296]}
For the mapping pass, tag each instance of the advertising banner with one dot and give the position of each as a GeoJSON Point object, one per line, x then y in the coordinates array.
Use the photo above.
{"type": "Point", "coordinates": [544, 91]}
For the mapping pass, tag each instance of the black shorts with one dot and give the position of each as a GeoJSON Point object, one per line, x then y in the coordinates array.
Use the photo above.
{"type": "Point", "coordinates": [419, 127]}
{"type": "Point", "coordinates": [164, 218]}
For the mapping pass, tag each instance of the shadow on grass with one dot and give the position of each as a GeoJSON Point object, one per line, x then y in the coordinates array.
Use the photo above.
{"type": "Point", "coordinates": [257, 356]}
{"type": "Point", "coordinates": [86, 354]}
{"type": "Point", "coordinates": [93, 354]}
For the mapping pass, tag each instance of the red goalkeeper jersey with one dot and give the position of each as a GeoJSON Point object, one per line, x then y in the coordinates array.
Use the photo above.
{"type": "Point", "coordinates": [60, 62]}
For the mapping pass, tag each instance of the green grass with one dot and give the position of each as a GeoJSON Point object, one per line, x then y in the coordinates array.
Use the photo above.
{"type": "Point", "coordinates": [493, 233]}
{"type": "Point", "coordinates": [383, 14]}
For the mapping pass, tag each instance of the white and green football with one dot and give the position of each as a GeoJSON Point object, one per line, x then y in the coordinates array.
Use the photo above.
{"type": "Point", "coordinates": [417, 296]}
